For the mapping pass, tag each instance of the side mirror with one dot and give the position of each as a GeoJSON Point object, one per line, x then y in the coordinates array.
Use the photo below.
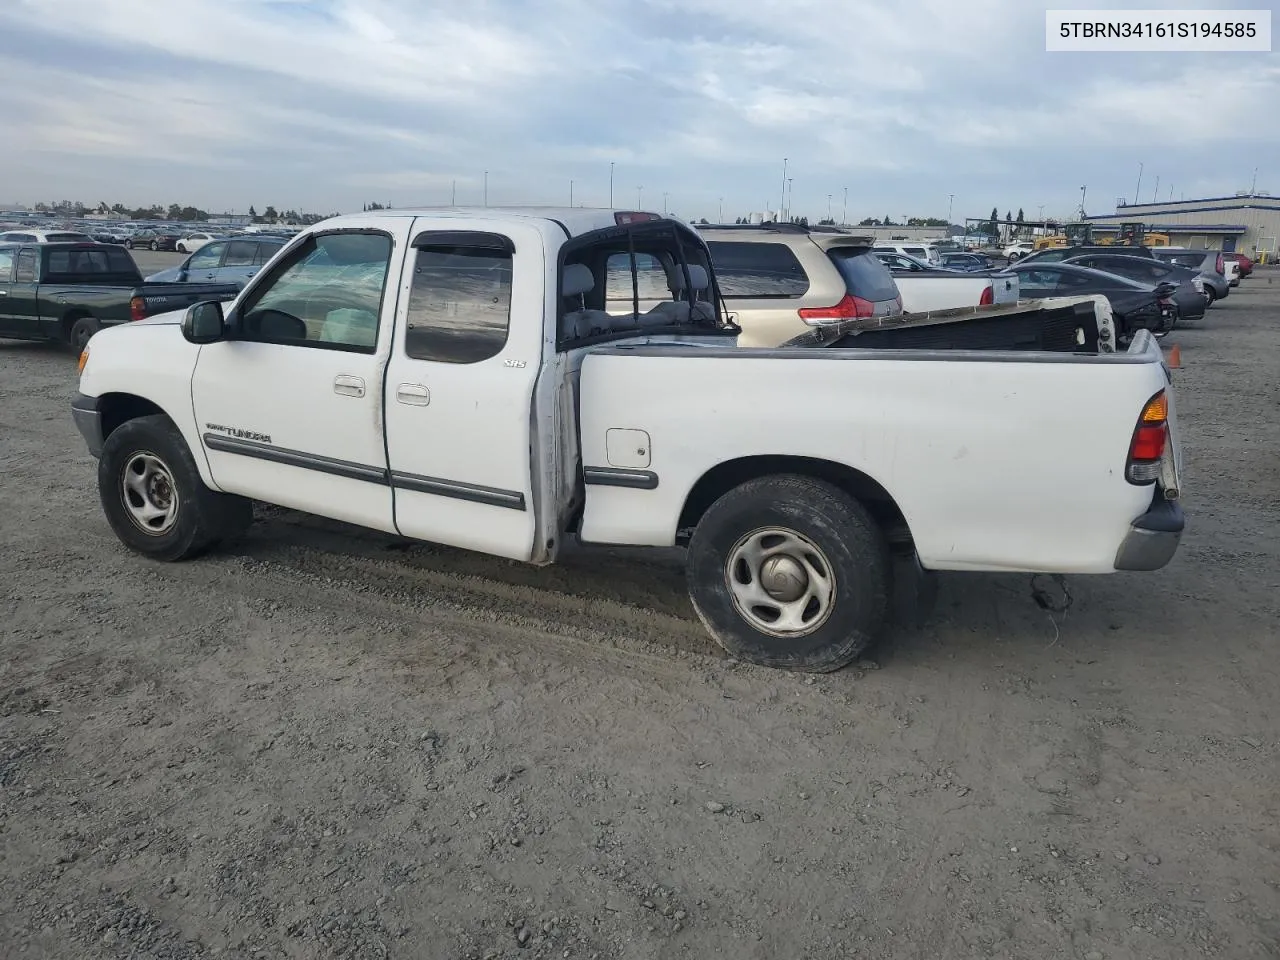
{"type": "Point", "coordinates": [203, 322]}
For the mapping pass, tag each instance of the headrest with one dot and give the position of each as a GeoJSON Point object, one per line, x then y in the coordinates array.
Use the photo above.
{"type": "Point", "coordinates": [577, 280]}
{"type": "Point", "coordinates": [697, 276]}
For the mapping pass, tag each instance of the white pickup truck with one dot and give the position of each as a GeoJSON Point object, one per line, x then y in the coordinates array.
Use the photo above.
{"type": "Point", "coordinates": [454, 376]}
{"type": "Point", "coordinates": [925, 287]}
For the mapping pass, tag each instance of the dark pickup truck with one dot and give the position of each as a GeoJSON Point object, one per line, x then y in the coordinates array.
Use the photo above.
{"type": "Point", "coordinates": [69, 291]}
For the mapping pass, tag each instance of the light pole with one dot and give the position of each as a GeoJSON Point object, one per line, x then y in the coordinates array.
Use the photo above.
{"type": "Point", "coordinates": [611, 184]}
{"type": "Point", "coordinates": [486, 188]}
{"type": "Point", "coordinates": [453, 195]}
{"type": "Point", "coordinates": [790, 197]}
{"type": "Point", "coordinates": [1139, 186]}
{"type": "Point", "coordinates": [844, 211]}
{"type": "Point", "coordinates": [570, 193]}
{"type": "Point", "coordinates": [721, 220]}
{"type": "Point", "coordinates": [829, 217]}
{"type": "Point", "coordinates": [640, 197]}
{"type": "Point", "coordinates": [951, 200]}
{"type": "Point", "coordinates": [784, 187]}
{"type": "Point", "coordinates": [664, 202]}
{"type": "Point", "coordinates": [1083, 192]}
{"type": "Point", "coordinates": [1155, 194]}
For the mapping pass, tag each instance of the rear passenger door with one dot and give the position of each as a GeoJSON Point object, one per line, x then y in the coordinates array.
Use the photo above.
{"type": "Point", "coordinates": [458, 408]}
{"type": "Point", "coordinates": [239, 264]}
{"type": "Point", "coordinates": [21, 308]}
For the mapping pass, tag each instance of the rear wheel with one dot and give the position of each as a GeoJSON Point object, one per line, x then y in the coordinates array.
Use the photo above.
{"type": "Point", "coordinates": [80, 332]}
{"type": "Point", "coordinates": [154, 498]}
{"type": "Point", "coordinates": [1209, 297]}
{"type": "Point", "coordinates": [155, 245]}
{"type": "Point", "coordinates": [788, 571]}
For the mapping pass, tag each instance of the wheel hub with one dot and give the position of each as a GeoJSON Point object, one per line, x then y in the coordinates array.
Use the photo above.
{"type": "Point", "coordinates": [148, 493]}
{"type": "Point", "coordinates": [783, 578]}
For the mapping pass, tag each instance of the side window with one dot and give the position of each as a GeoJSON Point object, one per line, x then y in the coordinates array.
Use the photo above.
{"type": "Point", "coordinates": [265, 252]}
{"type": "Point", "coordinates": [757, 270]}
{"type": "Point", "coordinates": [459, 305]}
{"type": "Point", "coordinates": [1069, 282]}
{"type": "Point", "coordinates": [207, 257]}
{"type": "Point", "coordinates": [26, 272]}
{"type": "Point", "coordinates": [6, 265]}
{"type": "Point", "coordinates": [327, 294]}
{"type": "Point", "coordinates": [651, 279]}
{"type": "Point", "coordinates": [240, 253]}
{"type": "Point", "coordinates": [1039, 279]}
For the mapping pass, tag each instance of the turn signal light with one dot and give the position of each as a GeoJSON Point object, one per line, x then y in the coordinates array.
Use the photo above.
{"type": "Point", "coordinates": [83, 359]}
{"type": "Point", "coordinates": [1150, 438]}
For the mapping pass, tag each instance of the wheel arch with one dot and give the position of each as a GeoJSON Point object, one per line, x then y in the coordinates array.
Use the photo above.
{"type": "Point", "coordinates": [864, 488]}
{"type": "Point", "coordinates": [117, 409]}
{"type": "Point", "coordinates": [69, 320]}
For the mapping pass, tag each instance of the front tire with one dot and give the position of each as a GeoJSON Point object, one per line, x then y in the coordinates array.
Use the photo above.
{"type": "Point", "coordinates": [153, 495]}
{"type": "Point", "coordinates": [1209, 297]}
{"type": "Point", "coordinates": [787, 571]}
{"type": "Point", "coordinates": [155, 245]}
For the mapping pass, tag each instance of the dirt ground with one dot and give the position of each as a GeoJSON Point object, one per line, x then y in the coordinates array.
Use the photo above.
{"type": "Point", "coordinates": [326, 743]}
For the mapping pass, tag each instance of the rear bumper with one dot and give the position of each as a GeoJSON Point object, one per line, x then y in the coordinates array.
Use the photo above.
{"type": "Point", "coordinates": [1153, 538]}
{"type": "Point", "coordinates": [88, 418]}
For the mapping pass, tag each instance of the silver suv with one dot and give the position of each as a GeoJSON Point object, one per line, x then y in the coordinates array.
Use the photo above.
{"type": "Point", "coordinates": [780, 280]}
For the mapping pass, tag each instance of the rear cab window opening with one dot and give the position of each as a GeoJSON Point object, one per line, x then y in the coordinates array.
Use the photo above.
{"type": "Point", "coordinates": [634, 278]}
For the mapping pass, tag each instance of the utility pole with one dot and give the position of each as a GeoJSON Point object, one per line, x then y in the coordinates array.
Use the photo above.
{"type": "Point", "coordinates": [570, 193]}
{"type": "Point", "coordinates": [486, 188]}
{"type": "Point", "coordinates": [844, 211]}
{"type": "Point", "coordinates": [611, 184]}
{"type": "Point", "coordinates": [784, 188]}
{"type": "Point", "coordinates": [1139, 186]}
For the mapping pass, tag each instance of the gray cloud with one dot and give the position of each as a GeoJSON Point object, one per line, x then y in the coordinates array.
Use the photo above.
{"type": "Point", "coordinates": [324, 104]}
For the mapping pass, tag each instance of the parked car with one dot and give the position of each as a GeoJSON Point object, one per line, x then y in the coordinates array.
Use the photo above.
{"type": "Point", "coordinates": [925, 287]}
{"type": "Point", "coordinates": [1059, 254]}
{"type": "Point", "coordinates": [44, 236]}
{"type": "Point", "coordinates": [1189, 295]}
{"type": "Point", "coordinates": [352, 379]}
{"type": "Point", "coordinates": [1231, 270]}
{"type": "Point", "coordinates": [68, 291]}
{"type": "Point", "coordinates": [781, 279]}
{"type": "Point", "coordinates": [925, 252]}
{"type": "Point", "coordinates": [1245, 264]}
{"type": "Point", "coordinates": [1016, 251]}
{"type": "Point", "coordinates": [110, 235]}
{"type": "Point", "coordinates": [191, 242]}
{"type": "Point", "coordinates": [967, 261]}
{"type": "Point", "coordinates": [160, 239]}
{"type": "Point", "coordinates": [1209, 263]}
{"type": "Point", "coordinates": [224, 261]}
{"type": "Point", "coordinates": [1135, 305]}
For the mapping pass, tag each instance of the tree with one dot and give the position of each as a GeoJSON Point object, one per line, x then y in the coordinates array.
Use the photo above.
{"type": "Point", "coordinates": [270, 214]}
{"type": "Point", "coordinates": [253, 214]}
{"type": "Point", "coordinates": [993, 225]}
{"type": "Point", "coordinates": [887, 222]}
{"type": "Point", "coordinates": [1018, 229]}
{"type": "Point", "coordinates": [119, 208]}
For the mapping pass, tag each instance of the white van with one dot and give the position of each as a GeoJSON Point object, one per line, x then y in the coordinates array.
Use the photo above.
{"type": "Point", "coordinates": [921, 250]}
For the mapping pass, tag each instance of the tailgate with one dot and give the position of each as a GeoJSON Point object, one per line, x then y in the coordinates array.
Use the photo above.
{"type": "Point", "coordinates": [165, 297]}
{"type": "Point", "coordinates": [1004, 287]}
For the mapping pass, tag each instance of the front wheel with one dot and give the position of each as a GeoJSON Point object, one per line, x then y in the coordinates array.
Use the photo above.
{"type": "Point", "coordinates": [155, 245]}
{"type": "Point", "coordinates": [787, 571]}
{"type": "Point", "coordinates": [154, 498]}
{"type": "Point", "coordinates": [1209, 297]}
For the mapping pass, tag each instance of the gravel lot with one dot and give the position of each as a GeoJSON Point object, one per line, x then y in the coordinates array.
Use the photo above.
{"type": "Point", "coordinates": [327, 743]}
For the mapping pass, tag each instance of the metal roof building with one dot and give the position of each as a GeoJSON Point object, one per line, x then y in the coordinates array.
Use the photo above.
{"type": "Point", "coordinates": [1248, 223]}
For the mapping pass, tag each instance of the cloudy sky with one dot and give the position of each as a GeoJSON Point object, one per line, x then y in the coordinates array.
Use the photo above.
{"type": "Point", "coordinates": [324, 104]}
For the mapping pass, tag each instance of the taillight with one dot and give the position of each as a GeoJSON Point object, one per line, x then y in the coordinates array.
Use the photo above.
{"type": "Point", "coordinates": [1150, 438]}
{"type": "Point", "coordinates": [849, 308]}
{"type": "Point", "coordinates": [1221, 265]}
{"type": "Point", "coordinates": [137, 309]}
{"type": "Point", "coordinates": [988, 296]}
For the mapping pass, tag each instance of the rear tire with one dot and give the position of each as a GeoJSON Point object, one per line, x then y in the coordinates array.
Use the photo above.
{"type": "Point", "coordinates": [80, 332]}
{"type": "Point", "coordinates": [153, 495]}
{"type": "Point", "coordinates": [787, 571]}
{"type": "Point", "coordinates": [1208, 297]}
{"type": "Point", "coordinates": [155, 245]}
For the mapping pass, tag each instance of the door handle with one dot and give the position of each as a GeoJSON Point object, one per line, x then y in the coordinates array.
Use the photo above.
{"type": "Point", "coordinates": [211, 276]}
{"type": "Point", "coordinates": [414, 394]}
{"type": "Point", "coordinates": [348, 386]}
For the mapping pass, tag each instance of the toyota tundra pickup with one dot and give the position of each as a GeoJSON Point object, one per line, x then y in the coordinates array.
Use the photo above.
{"type": "Point", "coordinates": [67, 292]}
{"type": "Point", "coordinates": [460, 376]}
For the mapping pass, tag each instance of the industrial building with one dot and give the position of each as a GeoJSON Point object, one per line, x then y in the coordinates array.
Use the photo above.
{"type": "Point", "coordinates": [1248, 223]}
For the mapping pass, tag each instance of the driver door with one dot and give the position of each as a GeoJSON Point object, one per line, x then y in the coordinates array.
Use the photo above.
{"type": "Point", "coordinates": [289, 405]}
